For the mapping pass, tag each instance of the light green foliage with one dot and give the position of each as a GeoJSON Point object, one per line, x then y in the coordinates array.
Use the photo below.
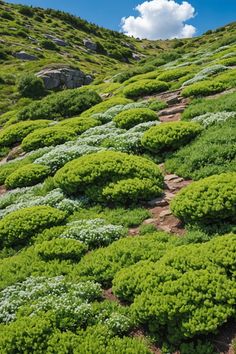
{"type": "Point", "coordinates": [170, 136]}
{"type": "Point", "coordinates": [17, 132]}
{"type": "Point", "coordinates": [60, 105]}
{"type": "Point", "coordinates": [102, 265]}
{"type": "Point", "coordinates": [18, 227]}
{"type": "Point", "coordinates": [31, 86]}
{"type": "Point", "coordinates": [105, 105]}
{"type": "Point", "coordinates": [207, 200]}
{"type": "Point", "coordinates": [54, 135]}
{"type": "Point", "coordinates": [204, 88]}
{"type": "Point", "coordinates": [25, 176]}
{"type": "Point", "coordinates": [130, 118]}
{"type": "Point", "coordinates": [201, 106]}
{"type": "Point", "coordinates": [60, 248]}
{"type": "Point", "coordinates": [174, 74]}
{"type": "Point", "coordinates": [78, 124]}
{"type": "Point", "coordinates": [97, 174]}
{"type": "Point", "coordinates": [144, 87]}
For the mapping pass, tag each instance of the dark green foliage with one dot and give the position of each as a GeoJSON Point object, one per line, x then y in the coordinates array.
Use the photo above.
{"type": "Point", "coordinates": [31, 86]}
{"type": "Point", "coordinates": [210, 199]}
{"type": "Point", "coordinates": [7, 15]}
{"type": "Point", "coordinates": [198, 107]}
{"type": "Point", "coordinates": [26, 11]}
{"type": "Point", "coordinates": [54, 135]}
{"type": "Point", "coordinates": [61, 248]}
{"type": "Point", "coordinates": [79, 124]}
{"type": "Point", "coordinates": [130, 118]}
{"type": "Point", "coordinates": [19, 226]}
{"type": "Point", "coordinates": [213, 152]}
{"type": "Point", "coordinates": [25, 176]}
{"type": "Point", "coordinates": [170, 136]}
{"type": "Point", "coordinates": [61, 105]}
{"type": "Point", "coordinates": [144, 87]}
{"type": "Point", "coordinates": [102, 175]}
{"type": "Point", "coordinates": [15, 133]}
{"type": "Point", "coordinates": [49, 45]}
{"type": "Point", "coordinates": [204, 88]}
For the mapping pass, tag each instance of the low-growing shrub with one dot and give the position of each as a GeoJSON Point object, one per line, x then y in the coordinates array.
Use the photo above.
{"type": "Point", "coordinates": [61, 248]}
{"type": "Point", "coordinates": [105, 105]}
{"type": "Point", "coordinates": [213, 152]}
{"type": "Point", "coordinates": [59, 105]}
{"type": "Point", "coordinates": [48, 44]}
{"type": "Point", "coordinates": [18, 227]}
{"type": "Point", "coordinates": [97, 174]}
{"type": "Point", "coordinates": [15, 133]}
{"type": "Point", "coordinates": [28, 175]}
{"type": "Point", "coordinates": [174, 74]}
{"type": "Point", "coordinates": [207, 200]}
{"type": "Point", "coordinates": [54, 135]}
{"type": "Point", "coordinates": [169, 136]}
{"type": "Point", "coordinates": [204, 88]}
{"type": "Point", "coordinates": [130, 118]}
{"type": "Point", "coordinates": [144, 87]}
{"type": "Point", "coordinates": [78, 124]}
{"type": "Point", "coordinates": [31, 86]}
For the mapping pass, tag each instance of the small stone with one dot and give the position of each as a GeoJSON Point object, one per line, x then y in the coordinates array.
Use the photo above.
{"type": "Point", "coordinates": [149, 221]}
{"type": "Point", "coordinates": [164, 213]}
{"type": "Point", "coordinates": [90, 45]}
{"type": "Point", "coordinates": [25, 56]}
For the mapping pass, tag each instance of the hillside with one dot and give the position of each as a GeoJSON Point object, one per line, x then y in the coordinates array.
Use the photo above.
{"type": "Point", "coordinates": [117, 189]}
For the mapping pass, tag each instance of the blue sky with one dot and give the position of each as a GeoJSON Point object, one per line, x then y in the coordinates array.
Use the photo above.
{"type": "Point", "coordinates": [108, 13]}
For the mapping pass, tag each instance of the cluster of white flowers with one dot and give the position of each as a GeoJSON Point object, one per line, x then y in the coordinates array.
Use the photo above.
{"type": "Point", "coordinates": [205, 73]}
{"type": "Point", "coordinates": [213, 118]}
{"type": "Point", "coordinates": [43, 294]}
{"type": "Point", "coordinates": [17, 195]}
{"type": "Point", "coordinates": [229, 55]}
{"type": "Point", "coordinates": [54, 198]}
{"type": "Point", "coordinates": [118, 323]}
{"type": "Point", "coordinates": [94, 232]}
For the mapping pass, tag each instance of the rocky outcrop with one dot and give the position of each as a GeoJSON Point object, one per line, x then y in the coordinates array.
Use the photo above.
{"type": "Point", "coordinates": [63, 77]}
{"type": "Point", "coordinates": [25, 56]}
{"type": "Point", "coordinates": [57, 40]}
{"type": "Point", "coordinates": [90, 45]}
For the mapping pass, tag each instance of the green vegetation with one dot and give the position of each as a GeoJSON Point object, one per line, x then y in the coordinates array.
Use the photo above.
{"type": "Point", "coordinates": [60, 105]}
{"type": "Point", "coordinates": [79, 124]}
{"type": "Point", "coordinates": [27, 176]}
{"type": "Point", "coordinates": [204, 88]}
{"type": "Point", "coordinates": [210, 199]}
{"type": "Point", "coordinates": [144, 87]}
{"type": "Point", "coordinates": [103, 177]}
{"type": "Point", "coordinates": [105, 105]}
{"type": "Point", "coordinates": [53, 135]}
{"type": "Point", "coordinates": [170, 136]}
{"type": "Point", "coordinates": [31, 86]}
{"type": "Point", "coordinates": [18, 227]}
{"type": "Point", "coordinates": [131, 117]}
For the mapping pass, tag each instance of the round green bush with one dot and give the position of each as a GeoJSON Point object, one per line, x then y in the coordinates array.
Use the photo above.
{"type": "Point", "coordinates": [31, 86]}
{"type": "Point", "coordinates": [79, 124]}
{"type": "Point", "coordinates": [54, 135]}
{"type": "Point", "coordinates": [101, 176]}
{"type": "Point", "coordinates": [170, 136]}
{"type": "Point", "coordinates": [62, 249]}
{"type": "Point", "coordinates": [15, 133]}
{"type": "Point", "coordinates": [130, 118]}
{"type": "Point", "coordinates": [28, 175]}
{"type": "Point", "coordinates": [105, 105]}
{"type": "Point", "coordinates": [19, 226]}
{"type": "Point", "coordinates": [210, 199]}
{"type": "Point", "coordinates": [204, 88]}
{"type": "Point", "coordinates": [144, 87]}
{"type": "Point", "coordinates": [59, 105]}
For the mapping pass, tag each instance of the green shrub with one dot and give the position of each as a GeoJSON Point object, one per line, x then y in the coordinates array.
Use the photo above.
{"type": "Point", "coordinates": [207, 200]}
{"type": "Point", "coordinates": [59, 105]}
{"type": "Point", "coordinates": [173, 74]}
{"type": "Point", "coordinates": [26, 10]}
{"type": "Point", "coordinates": [19, 226]}
{"type": "Point", "coordinates": [226, 102]}
{"type": "Point", "coordinates": [130, 118]}
{"type": "Point", "coordinates": [54, 135]}
{"type": "Point", "coordinates": [169, 136]}
{"type": "Point", "coordinates": [49, 45]}
{"type": "Point", "coordinates": [204, 88]}
{"type": "Point", "coordinates": [187, 306]}
{"type": "Point", "coordinates": [79, 124]}
{"type": "Point", "coordinates": [15, 133]}
{"type": "Point", "coordinates": [105, 105]}
{"type": "Point", "coordinates": [144, 87]}
{"type": "Point", "coordinates": [31, 86]}
{"type": "Point", "coordinates": [28, 175]}
{"type": "Point", "coordinates": [213, 152]}
{"type": "Point", "coordinates": [7, 15]}
{"type": "Point", "coordinates": [61, 248]}
{"type": "Point", "coordinates": [99, 175]}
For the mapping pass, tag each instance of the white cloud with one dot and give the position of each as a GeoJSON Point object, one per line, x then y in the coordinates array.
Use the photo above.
{"type": "Point", "coordinates": [160, 19]}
